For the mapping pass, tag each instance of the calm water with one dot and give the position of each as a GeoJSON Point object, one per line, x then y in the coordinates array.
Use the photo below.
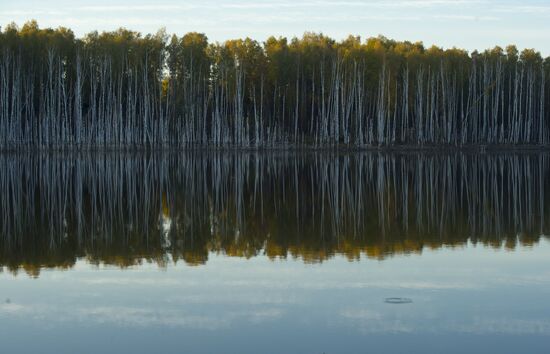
{"type": "Point", "coordinates": [275, 253]}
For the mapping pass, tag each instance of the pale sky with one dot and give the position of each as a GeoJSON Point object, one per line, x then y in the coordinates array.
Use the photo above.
{"type": "Point", "coordinates": [469, 24]}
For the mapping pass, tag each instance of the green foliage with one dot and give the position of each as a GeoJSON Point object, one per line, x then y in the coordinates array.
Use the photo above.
{"type": "Point", "coordinates": [311, 87]}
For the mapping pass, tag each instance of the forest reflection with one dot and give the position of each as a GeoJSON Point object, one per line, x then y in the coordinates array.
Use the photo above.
{"type": "Point", "coordinates": [124, 209]}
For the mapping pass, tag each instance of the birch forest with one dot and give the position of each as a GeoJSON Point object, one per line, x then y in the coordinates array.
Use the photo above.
{"type": "Point", "coordinates": [125, 90]}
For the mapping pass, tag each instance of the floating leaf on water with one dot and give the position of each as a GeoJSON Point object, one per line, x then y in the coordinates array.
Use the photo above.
{"type": "Point", "coordinates": [398, 300]}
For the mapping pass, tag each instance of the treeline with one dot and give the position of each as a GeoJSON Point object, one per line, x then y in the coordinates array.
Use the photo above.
{"type": "Point", "coordinates": [122, 90]}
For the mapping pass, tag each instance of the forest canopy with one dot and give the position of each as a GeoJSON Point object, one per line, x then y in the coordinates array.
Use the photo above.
{"type": "Point", "coordinates": [123, 89]}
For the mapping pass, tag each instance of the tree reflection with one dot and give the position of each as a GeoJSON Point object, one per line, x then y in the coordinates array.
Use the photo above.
{"type": "Point", "coordinates": [124, 209]}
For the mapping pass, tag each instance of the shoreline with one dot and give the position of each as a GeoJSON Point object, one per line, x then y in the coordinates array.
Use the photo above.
{"type": "Point", "coordinates": [479, 149]}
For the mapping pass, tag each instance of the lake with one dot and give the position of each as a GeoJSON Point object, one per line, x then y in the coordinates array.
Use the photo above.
{"type": "Point", "coordinates": [275, 252]}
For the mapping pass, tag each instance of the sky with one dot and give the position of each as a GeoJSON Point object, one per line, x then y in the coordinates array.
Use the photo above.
{"type": "Point", "coordinates": [468, 24]}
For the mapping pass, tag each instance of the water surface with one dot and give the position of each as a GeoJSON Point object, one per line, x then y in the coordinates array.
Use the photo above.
{"type": "Point", "coordinates": [274, 252]}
